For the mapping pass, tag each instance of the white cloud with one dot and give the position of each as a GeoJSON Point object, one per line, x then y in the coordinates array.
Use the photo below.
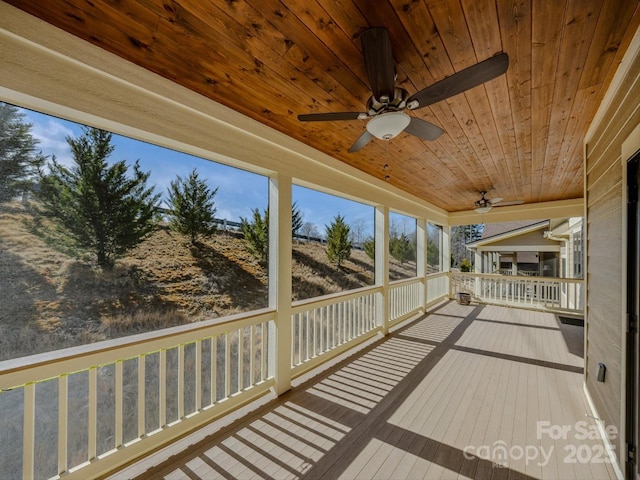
{"type": "Point", "coordinates": [51, 136]}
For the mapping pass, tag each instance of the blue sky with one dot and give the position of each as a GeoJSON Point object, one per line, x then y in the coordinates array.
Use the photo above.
{"type": "Point", "coordinates": [239, 191]}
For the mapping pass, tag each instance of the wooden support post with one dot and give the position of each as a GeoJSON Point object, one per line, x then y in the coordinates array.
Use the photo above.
{"type": "Point", "coordinates": [280, 207]}
{"type": "Point", "coordinates": [382, 267]}
{"type": "Point", "coordinates": [421, 259]}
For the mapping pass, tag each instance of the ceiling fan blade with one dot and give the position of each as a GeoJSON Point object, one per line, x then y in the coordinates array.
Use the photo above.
{"type": "Point", "coordinates": [506, 204]}
{"type": "Point", "coordinates": [463, 80]}
{"type": "Point", "coordinates": [378, 60]}
{"type": "Point", "coordinates": [364, 139]}
{"type": "Point", "coordinates": [331, 116]}
{"type": "Point", "coordinates": [423, 129]}
{"type": "Point", "coordinates": [493, 201]}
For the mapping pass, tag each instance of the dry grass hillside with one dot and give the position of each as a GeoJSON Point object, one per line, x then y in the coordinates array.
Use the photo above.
{"type": "Point", "coordinates": [52, 300]}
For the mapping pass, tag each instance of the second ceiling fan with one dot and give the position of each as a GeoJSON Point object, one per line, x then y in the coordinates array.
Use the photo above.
{"type": "Point", "coordinates": [385, 107]}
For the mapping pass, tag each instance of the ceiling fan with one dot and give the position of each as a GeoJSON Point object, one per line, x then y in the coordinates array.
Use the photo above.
{"type": "Point", "coordinates": [484, 204]}
{"type": "Point", "coordinates": [385, 107]}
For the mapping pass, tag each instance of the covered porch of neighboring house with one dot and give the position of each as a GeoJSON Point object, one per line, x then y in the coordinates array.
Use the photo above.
{"type": "Point", "coordinates": [548, 248]}
{"type": "Point", "coordinates": [472, 391]}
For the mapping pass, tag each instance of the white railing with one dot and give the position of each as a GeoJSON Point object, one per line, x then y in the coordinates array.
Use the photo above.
{"type": "Point", "coordinates": [405, 299]}
{"type": "Point", "coordinates": [562, 294]}
{"type": "Point", "coordinates": [64, 411]}
{"type": "Point", "coordinates": [437, 287]}
{"type": "Point", "coordinates": [325, 326]}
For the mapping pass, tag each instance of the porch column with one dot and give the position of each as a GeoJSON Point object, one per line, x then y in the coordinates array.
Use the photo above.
{"type": "Point", "coordinates": [382, 267]}
{"type": "Point", "coordinates": [478, 261]}
{"type": "Point", "coordinates": [446, 253]}
{"type": "Point", "coordinates": [421, 258]}
{"type": "Point", "coordinates": [280, 279]}
{"type": "Point", "coordinates": [479, 268]}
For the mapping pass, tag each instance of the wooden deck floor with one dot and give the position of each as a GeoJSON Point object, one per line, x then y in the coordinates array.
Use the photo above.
{"type": "Point", "coordinates": [439, 398]}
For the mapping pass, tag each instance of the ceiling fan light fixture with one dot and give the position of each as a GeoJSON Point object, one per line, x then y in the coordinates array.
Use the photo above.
{"type": "Point", "coordinates": [388, 125]}
{"type": "Point", "coordinates": [484, 209]}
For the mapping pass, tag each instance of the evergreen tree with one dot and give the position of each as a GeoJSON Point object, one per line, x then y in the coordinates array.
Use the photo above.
{"type": "Point", "coordinates": [192, 211]}
{"type": "Point", "coordinates": [100, 207]}
{"type": "Point", "coordinates": [369, 246]}
{"type": "Point", "coordinates": [402, 248]}
{"type": "Point", "coordinates": [18, 157]}
{"type": "Point", "coordinates": [296, 219]}
{"type": "Point", "coordinates": [338, 243]}
{"type": "Point", "coordinates": [433, 254]}
{"type": "Point", "coordinates": [256, 234]}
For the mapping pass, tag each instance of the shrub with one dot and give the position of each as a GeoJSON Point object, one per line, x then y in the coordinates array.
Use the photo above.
{"type": "Point", "coordinates": [465, 265]}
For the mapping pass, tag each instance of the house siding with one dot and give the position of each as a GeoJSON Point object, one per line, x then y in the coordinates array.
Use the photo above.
{"type": "Point", "coordinates": [605, 243]}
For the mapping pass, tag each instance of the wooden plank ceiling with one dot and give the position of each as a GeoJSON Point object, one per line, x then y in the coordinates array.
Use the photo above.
{"type": "Point", "coordinates": [519, 136]}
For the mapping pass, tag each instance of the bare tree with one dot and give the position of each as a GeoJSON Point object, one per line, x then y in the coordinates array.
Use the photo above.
{"type": "Point", "coordinates": [309, 229]}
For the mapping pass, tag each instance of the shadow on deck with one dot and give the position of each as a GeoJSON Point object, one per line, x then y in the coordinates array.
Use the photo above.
{"type": "Point", "coordinates": [463, 392]}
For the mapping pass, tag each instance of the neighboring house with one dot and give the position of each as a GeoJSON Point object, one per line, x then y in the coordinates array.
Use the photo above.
{"type": "Point", "coordinates": [543, 248]}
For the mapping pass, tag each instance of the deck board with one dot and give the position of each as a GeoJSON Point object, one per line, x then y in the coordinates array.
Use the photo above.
{"type": "Point", "coordinates": [434, 399]}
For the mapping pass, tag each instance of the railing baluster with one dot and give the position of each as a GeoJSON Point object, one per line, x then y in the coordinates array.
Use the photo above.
{"type": "Point", "coordinates": [181, 389]}
{"type": "Point", "coordinates": [265, 351]}
{"type": "Point", "coordinates": [349, 316]}
{"type": "Point", "coordinates": [227, 365]}
{"type": "Point", "coordinates": [240, 359]}
{"type": "Point", "coordinates": [118, 387]}
{"type": "Point", "coordinates": [300, 336]}
{"type": "Point", "coordinates": [252, 339]}
{"type": "Point", "coordinates": [314, 331]}
{"type": "Point", "coordinates": [347, 323]}
{"type": "Point", "coordinates": [141, 396]}
{"type": "Point", "coordinates": [198, 376]}
{"type": "Point", "coordinates": [93, 412]}
{"type": "Point", "coordinates": [337, 327]}
{"type": "Point", "coordinates": [214, 370]}
{"type": "Point", "coordinates": [307, 336]}
{"type": "Point", "coordinates": [63, 414]}
{"type": "Point", "coordinates": [162, 384]}
{"type": "Point", "coordinates": [29, 431]}
{"type": "Point", "coordinates": [322, 333]}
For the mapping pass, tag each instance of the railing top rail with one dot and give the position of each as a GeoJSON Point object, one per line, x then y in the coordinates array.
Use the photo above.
{"type": "Point", "coordinates": [405, 281]}
{"type": "Point", "coordinates": [43, 366]}
{"type": "Point", "coordinates": [437, 274]}
{"type": "Point", "coordinates": [516, 277]}
{"type": "Point", "coordinates": [316, 302]}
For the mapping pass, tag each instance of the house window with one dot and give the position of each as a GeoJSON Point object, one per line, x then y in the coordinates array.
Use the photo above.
{"type": "Point", "coordinates": [577, 255]}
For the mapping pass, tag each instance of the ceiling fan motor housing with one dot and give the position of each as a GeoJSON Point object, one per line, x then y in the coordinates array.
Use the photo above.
{"type": "Point", "coordinates": [398, 102]}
